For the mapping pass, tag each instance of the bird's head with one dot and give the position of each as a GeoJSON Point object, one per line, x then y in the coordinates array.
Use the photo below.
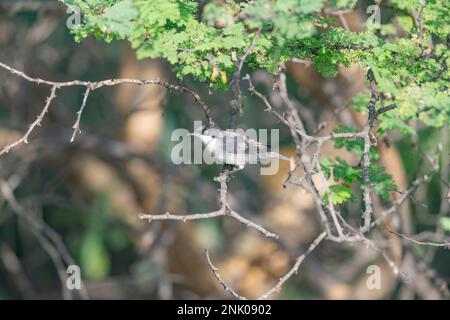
{"type": "Point", "coordinates": [207, 133]}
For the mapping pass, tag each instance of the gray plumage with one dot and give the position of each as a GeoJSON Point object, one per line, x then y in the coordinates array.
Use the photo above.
{"type": "Point", "coordinates": [232, 148]}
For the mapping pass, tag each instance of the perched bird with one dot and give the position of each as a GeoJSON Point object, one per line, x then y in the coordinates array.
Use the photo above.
{"type": "Point", "coordinates": [233, 148]}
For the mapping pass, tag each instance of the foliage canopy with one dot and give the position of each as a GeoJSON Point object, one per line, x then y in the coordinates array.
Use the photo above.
{"type": "Point", "coordinates": [407, 53]}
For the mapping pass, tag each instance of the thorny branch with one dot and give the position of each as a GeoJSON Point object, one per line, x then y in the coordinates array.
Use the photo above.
{"type": "Point", "coordinates": [91, 86]}
{"type": "Point", "coordinates": [421, 242]}
{"type": "Point", "coordinates": [36, 123]}
{"type": "Point", "coordinates": [302, 140]}
{"type": "Point", "coordinates": [277, 287]}
{"type": "Point", "coordinates": [76, 126]}
{"type": "Point", "coordinates": [367, 144]}
{"type": "Point", "coordinates": [221, 281]}
{"type": "Point", "coordinates": [331, 218]}
{"type": "Point", "coordinates": [224, 210]}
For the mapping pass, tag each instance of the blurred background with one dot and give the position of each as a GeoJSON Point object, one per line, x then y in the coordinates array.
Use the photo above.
{"type": "Point", "coordinates": [78, 203]}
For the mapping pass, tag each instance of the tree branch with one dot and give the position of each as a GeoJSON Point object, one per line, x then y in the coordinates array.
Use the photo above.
{"type": "Point", "coordinates": [224, 210]}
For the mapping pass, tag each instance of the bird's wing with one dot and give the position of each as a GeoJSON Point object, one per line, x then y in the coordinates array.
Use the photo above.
{"type": "Point", "coordinates": [235, 137]}
{"type": "Point", "coordinates": [256, 147]}
{"type": "Point", "coordinates": [235, 143]}
{"type": "Point", "coordinates": [264, 151]}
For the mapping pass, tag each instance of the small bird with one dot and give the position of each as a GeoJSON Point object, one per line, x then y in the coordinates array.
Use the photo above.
{"type": "Point", "coordinates": [232, 148]}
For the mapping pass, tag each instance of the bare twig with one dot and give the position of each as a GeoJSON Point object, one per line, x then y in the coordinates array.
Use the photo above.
{"type": "Point", "coordinates": [76, 126]}
{"type": "Point", "coordinates": [405, 195]}
{"type": "Point", "coordinates": [277, 287]}
{"type": "Point", "coordinates": [298, 262]}
{"type": "Point", "coordinates": [91, 86]}
{"type": "Point", "coordinates": [367, 144]}
{"type": "Point", "coordinates": [37, 122]}
{"type": "Point", "coordinates": [422, 243]}
{"type": "Point", "coordinates": [221, 281]}
{"type": "Point", "coordinates": [224, 210]}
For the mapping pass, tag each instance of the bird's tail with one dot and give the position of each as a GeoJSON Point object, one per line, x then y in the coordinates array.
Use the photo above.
{"type": "Point", "coordinates": [279, 156]}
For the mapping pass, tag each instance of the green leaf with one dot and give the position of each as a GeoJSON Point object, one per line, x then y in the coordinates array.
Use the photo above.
{"type": "Point", "coordinates": [410, 65]}
{"type": "Point", "coordinates": [353, 144]}
{"type": "Point", "coordinates": [339, 194]}
{"type": "Point", "coordinates": [382, 182]}
{"type": "Point", "coordinates": [445, 223]}
{"type": "Point", "coordinates": [94, 258]}
{"type": "Point", "coordinates": [326, 166]}
{"type": "Point", "coordinates": [342, 170]}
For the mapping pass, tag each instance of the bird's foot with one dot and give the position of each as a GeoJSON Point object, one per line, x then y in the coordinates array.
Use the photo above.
{"type": "Point", "coordinates": [230, 170]}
